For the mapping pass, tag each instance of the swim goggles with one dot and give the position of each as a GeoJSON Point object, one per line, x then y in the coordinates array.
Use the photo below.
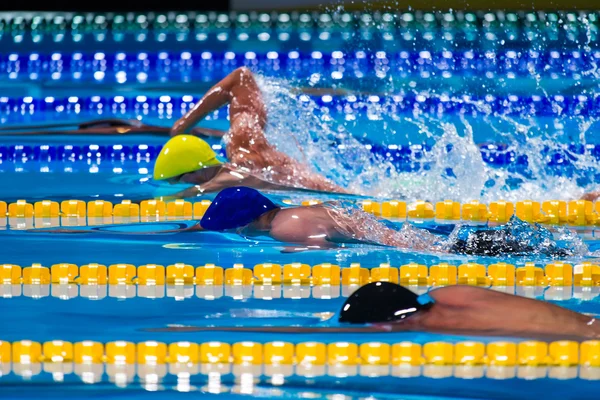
{"type": "Point", "coordinates": [382, 302]}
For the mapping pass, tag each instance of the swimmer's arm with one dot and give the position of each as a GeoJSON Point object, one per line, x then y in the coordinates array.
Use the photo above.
{"type": "Point", "coordinates": [357, 229]}
{"type": "Point", "coordinates": [214, 99]}
{"type": "Point", "coordinates": [233, 85]}
{"type": "Point", "coordinates": [224, 180]}
{"type": "Point", "coordinates": [286, 234]}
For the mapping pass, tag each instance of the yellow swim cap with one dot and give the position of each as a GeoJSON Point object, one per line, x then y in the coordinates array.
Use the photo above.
{"type": "Point", "coordinates": [183, 154]}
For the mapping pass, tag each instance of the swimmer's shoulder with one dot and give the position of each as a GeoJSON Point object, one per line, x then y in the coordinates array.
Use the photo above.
{"type": "Point", "coordinates": [466, 296]}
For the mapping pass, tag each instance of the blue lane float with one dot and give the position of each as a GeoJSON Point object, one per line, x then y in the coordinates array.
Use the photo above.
{"type": "Point", "coordinates": [513, 105]}
{"type": "Point", "coordinates": [207, 65]}
{"type": "Point", "coordinates": [407, 158]}
{"type": "Point", "coordinates": [308, 30]}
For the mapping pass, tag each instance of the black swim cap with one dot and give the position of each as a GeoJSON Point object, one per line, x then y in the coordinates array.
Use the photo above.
{"type": "Point", "coordinates": [382, 302]}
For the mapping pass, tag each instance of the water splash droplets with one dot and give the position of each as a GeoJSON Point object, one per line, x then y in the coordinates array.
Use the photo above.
{"type": "Point", "coordinates": [454, 168]}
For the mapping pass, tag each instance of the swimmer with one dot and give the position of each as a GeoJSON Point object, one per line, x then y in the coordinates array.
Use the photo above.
{"type": "Point", "coordinates": [381, 307]}
{"type": "Point", "coordinates": [249, 213]}
{"type": "Point", "coordinates": [253, 161]}
{"type": "Point", "coordinates": [332, 224]}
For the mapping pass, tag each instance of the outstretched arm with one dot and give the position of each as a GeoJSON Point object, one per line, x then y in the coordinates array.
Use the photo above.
{"type": "Point", "coordinates": [193, 228]}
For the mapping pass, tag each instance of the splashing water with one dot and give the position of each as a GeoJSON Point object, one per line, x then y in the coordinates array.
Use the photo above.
{"type": "Point", "coordinates": [454, 167]}
{"type": "Point", "coordinates": [355, 223]}
{"type": "Point", "coordinates": [295, 127]}
{"type": "Point", "coordinates": [298, 127]}
{"type": "Point", "coordinates": [516, 238]}
{"type": "Point", "coordinates": [457, 170]}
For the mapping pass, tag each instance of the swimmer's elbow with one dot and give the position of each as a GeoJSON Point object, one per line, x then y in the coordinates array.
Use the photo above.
{"type": "Point", "coordinates": [176, 128]}
{"type": "Point", "coordinates": [243, 73]}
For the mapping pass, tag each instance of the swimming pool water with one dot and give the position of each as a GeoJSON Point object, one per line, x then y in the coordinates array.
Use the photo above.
{"type": "Point", "coordinates": [527, 69]}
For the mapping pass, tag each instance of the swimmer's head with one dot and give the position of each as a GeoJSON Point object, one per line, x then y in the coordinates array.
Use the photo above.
{"type": "Point", "coordinates": [183, 154]}
{"type": "Point", "coordinates": [235, 207]}
{"type": "Point", "coordinates": [379, 302]}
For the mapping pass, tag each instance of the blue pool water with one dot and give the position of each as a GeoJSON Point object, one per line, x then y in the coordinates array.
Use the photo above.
{"type": "Point", "coordinates": [481, 111]}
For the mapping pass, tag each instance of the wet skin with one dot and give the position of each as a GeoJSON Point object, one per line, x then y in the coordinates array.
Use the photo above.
{"type": "Point", "coordinates": [321, 226]}
{"type": "Point", "coordinates": [253, 161]}
{"type": "Point", "coordinates": [309, 227]}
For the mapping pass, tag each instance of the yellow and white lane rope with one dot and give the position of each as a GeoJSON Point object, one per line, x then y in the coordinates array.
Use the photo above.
{"type": "Point", "coordinates": [258, 292]}
{"type": "Point", "coordinates": [468, 359]}
{"type": "Point", "coordinates": [554, 281]}
{"type": "Point", "coordinates": [556, 273]}
{"type": "Point", "coordinates": [46, 213]}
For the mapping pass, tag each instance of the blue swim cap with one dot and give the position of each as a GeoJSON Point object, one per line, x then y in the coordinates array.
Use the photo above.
{"type": "Point", "coordinates": [235, 207]}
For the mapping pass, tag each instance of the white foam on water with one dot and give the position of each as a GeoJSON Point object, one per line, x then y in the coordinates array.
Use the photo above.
{"type": "Point", "coordinates": [455, 167]}
{"type": "Point", "coordinates": [298, 127]}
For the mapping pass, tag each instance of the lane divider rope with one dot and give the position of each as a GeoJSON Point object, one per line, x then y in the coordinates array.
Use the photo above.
{"type": "Point", "coordinates": [500, 274]}
{"type": "Point", "coordinates": [407, 158]}
{"type": "Point", "coordinates": [465, 360]}
{"type": "Point", "coordinates": [498, 21]}
{"type": "Point", "coordinates": [66, 291]}
{"type": "Point", "coordinates": [209, 66]}
{"type": "Point", "coordinates": [351, 104]}
{"type": "Point", "coordinates": [48, 213]}
{"type": "Point", "coordinates": [562, 353]}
